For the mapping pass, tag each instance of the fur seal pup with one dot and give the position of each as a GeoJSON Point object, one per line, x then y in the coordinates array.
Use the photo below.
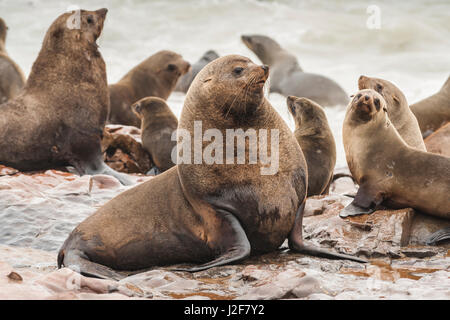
{"type": "Point", "coordinates": [389, 171]}
{"type": "Point", "coordinates": [433, 112]}
{"type": "Point", "coordinates": [12, 78]}
{"type": "Point", "coordinates": [156, 76]}
{"type": "Point", "coordinates": [288, 78]}
{"type": "Point", "coordinates": [216, 213]}
{"type": "Point", "coordinates": [397, 108]}
{"type": "Point", "coordinates": [316, 141]}
{"type": "Point", "coordinates": [158, 123]}
{"type": "Point", "coordinates": [185, 80]}
{"type": "Point", "coordinates": [59, 116]}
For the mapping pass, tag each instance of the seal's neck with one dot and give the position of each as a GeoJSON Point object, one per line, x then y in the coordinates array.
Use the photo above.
{"type": "Point", "coordinates": [2, 47]}
{"type": "Point", "coordinates": [67, 61]}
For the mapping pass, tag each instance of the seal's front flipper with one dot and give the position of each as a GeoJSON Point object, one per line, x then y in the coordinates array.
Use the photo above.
{"type": "Point", "coordinates": [438, 236]}
{"type": "Point", "coordinates": [100, 167]}
{"type": "Point", "coordinates": [365, 202]}
{"type": "Point", "coordinates": [354, 210]}
{"type": "Point", "coordinates": [232, 242]}
{"type": "Point", "coordinates": [296, 244]}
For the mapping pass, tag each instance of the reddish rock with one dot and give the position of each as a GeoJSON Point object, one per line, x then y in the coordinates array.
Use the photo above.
{"type": "Point", "coordinates": [123, 151]}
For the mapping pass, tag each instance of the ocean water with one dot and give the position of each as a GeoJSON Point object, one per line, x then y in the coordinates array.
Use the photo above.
{"type": "Point", "coordinates": [406, 42]}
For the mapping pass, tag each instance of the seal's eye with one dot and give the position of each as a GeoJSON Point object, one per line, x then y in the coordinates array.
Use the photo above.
{"type": "Point", "coordinates": [238, 70]}
{"type": "Point", "coordinates": [379, 87]}
{"type": "Point", "coordinates": [90, 20]}
{"type": "Point", "coordinates": [171, 67]}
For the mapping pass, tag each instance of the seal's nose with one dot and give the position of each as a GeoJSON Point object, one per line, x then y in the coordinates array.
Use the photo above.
{"type": "Point", "coordinates": [245, 38]}
{"type": "Point", "coordinates": [265, 68]}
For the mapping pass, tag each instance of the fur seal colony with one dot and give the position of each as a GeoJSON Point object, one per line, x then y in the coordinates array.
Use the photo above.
{"type": "Point", "coordinates": [289, 79]}
{"type": "Point", "coordinates": [214, 213]}
{"type": "Point", "coordinates": [12, 78]}
{"type": "Point", "coordinates": [234, 192]}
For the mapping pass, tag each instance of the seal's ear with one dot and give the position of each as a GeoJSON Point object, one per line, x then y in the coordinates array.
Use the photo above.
{"type": "Point", "coordinates": [206, 80]}
{"type": "Point", "coordinates": [137, 109]}
{"type": "Point", "coordinates": [396, 99]}
{"type": "Point", "coordinates": [57, 33]}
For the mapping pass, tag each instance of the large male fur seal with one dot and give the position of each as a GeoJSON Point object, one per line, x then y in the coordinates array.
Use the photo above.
{"type": "Point", "coordinates": [434, 111]}
{"type": "Point", "coordinates": [397, 108]}
{"type": "Point", "coordinates": [213, 213]}
{"type": "Point", "coordinates": [316, 141]}
{"type": "Point", "coordinates": [156, 76]}
{"type": "Point", "coordinates": [388, 171]}
{"type": "Point", "coordinates": [185, 80]}
{"type": "Point", "coordinates": [12, 78]}
{"type": "Point", "coordinates": [288, 78]}
{"type": "Point", "coordinates": [59, 117]}
{"type": "Point", "coordinates": [158, 123]}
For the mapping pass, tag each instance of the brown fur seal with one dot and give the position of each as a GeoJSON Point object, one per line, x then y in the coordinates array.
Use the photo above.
{"type": "Point", "coordinates": [12, 78]}
{"type": "Point", "coordinates": [156, 76]}
{"type": "Point", "coordinates": [214, 213]}
{"type": "Point", "coordinates": [185, 80]}
{"type": "Point", "coordinates": [58, 118]}
{"type": "Point", "coordinates": [288, 78]}
{"type": "Point", "coordinates": [398, 110]}
{"type": "Point", "coordinates": [434, 111]}
{"type": "Point", "coordinates": [158, 123]}
{"type": "Point", "coordinates": [316, 141]}
{"type": "Point", "coordinates": [388, 171]}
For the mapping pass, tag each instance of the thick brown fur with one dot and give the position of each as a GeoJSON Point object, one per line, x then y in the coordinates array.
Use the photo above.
{"type": "Point", "coordinates": [58, 118]}
{"type": "Point", "coordinates": [388, 171]}
{"type": "Point", "coordinates": [156, 76]}
{"type": "Point", "coordinates": [316, 140]}
{"type": "Point", "coordinates": [219, 213]}
{"type": "Point", "coordinates": [158, 123]}
{"type": "Point", "coordinates": [434, 111]}
{"type": "Point", "coordinates": [398, 110]}
{"type": "Point", "coordinates": [12, 78]}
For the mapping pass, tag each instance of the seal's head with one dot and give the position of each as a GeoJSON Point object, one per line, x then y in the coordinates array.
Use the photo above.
{"type": "Point", "coordinates": [149, 107]}
{"type": "Point", "coordinates": [393, 95]}
{"type": "Point", "coordinates": [232, 84]}
{"type": "Point", "coordinates": [367, 105]}
{"type": "Point", "coordinates": [264, 47]}
{"type": "Point", "coordinates": [306, 112]}
{"type": "Point", "coordinates": [79, 25]}
{"type": "Point", "coordinates": [170, 65]}
{"type": "Point", "coordinates": [3, 30]}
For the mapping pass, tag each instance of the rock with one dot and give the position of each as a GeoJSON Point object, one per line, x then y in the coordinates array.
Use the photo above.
{"type": "Point", "coordinates": [423, 226]}
{"type": "Point", "coordinates": [382, 233]}
{"type": "Point", "coordinates": [279, 287]}
{"type": "Point", "coordinates": [123, 151]}
{"type": "Point", "coordinates": [308, 285]}
{"type": "Point", "coordinates": [420, 252]}
{"type": "Point", "coordinates": [439, 141]}
{"type": "Point", "coordinates": [7, 171]}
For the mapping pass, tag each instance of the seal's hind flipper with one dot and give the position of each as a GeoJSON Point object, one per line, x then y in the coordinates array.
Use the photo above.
{"type": "Point", "coordinates": [75, 260]}
{"type": "Point", "coordinates": [438, 236]}
{"type": "Point", "coordinates": [234, 245]}
{"type": "Point", "coordinates": [296, 244]}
